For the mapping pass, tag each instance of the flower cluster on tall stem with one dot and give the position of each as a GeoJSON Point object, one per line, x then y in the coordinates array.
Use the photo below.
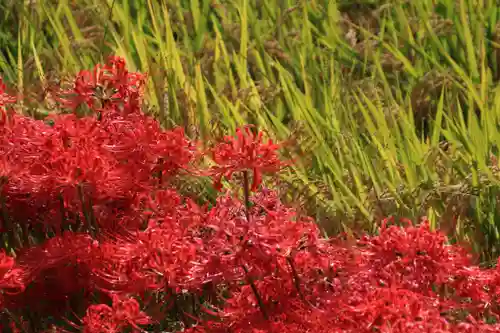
{"type": "Point", "coordinates": [121, 315]}
{"type": "Point", "coordinates": [245, 153]}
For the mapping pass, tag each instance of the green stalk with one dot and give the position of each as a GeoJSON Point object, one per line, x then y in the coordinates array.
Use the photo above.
{"type": "Point", "coordinates": [260, 302]}
{"type": "Point", "coordinates": [246, 193]}
{"type": "Point", "coordinates": [87, 212]}
{"type": "Point", "coordinates": [295, 277]}
{"type": "Point", "coordinates": [13, 241]}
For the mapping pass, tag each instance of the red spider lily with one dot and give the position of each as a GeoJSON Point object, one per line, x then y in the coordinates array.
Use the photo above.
{"type": "Point", "coordinates": [56, 272]}
{"type": "Point", "coordinates": [6, 263]}
{"type": "Point", "coordinates": [111, 84]}
{"type": "Point", "coordinates": [123, 314]}
{"type": "Point", "coordinates": [11, 278]}
{"type": "Point", "coordinates": [109, 160]}
{"type": "Point", "coordinates": [5, 99]}
{"type": "Point", "coordinates": [245, 152]}
{"type": "Point", "coordinates": [357, 302]}
{"type": "Point", "coordinates": [431, 259]}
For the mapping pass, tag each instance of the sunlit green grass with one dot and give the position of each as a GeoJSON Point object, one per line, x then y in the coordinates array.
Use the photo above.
{"type": "Point", "coordinates": [348, 85]}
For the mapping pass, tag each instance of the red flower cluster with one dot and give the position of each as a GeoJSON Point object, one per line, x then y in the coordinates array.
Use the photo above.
{"type": "Point", "coordinates": [5, 98]}
{"type": "Point", "coordinates": [71, 170]}
{"type": "Point", "coordinates": [124, 314]}
{"type": "Point", "coordinates": [97, 240]}
{"type": "Point", "coordinates": [245, 152]}
{"type": "Point", "coordinates": [374, 286]}
{"type": "Point", "coordinates": [108, 87]}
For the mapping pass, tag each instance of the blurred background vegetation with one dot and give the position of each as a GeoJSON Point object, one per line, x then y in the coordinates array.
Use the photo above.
{"type": "Point", "coordinates": [391, 106]}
